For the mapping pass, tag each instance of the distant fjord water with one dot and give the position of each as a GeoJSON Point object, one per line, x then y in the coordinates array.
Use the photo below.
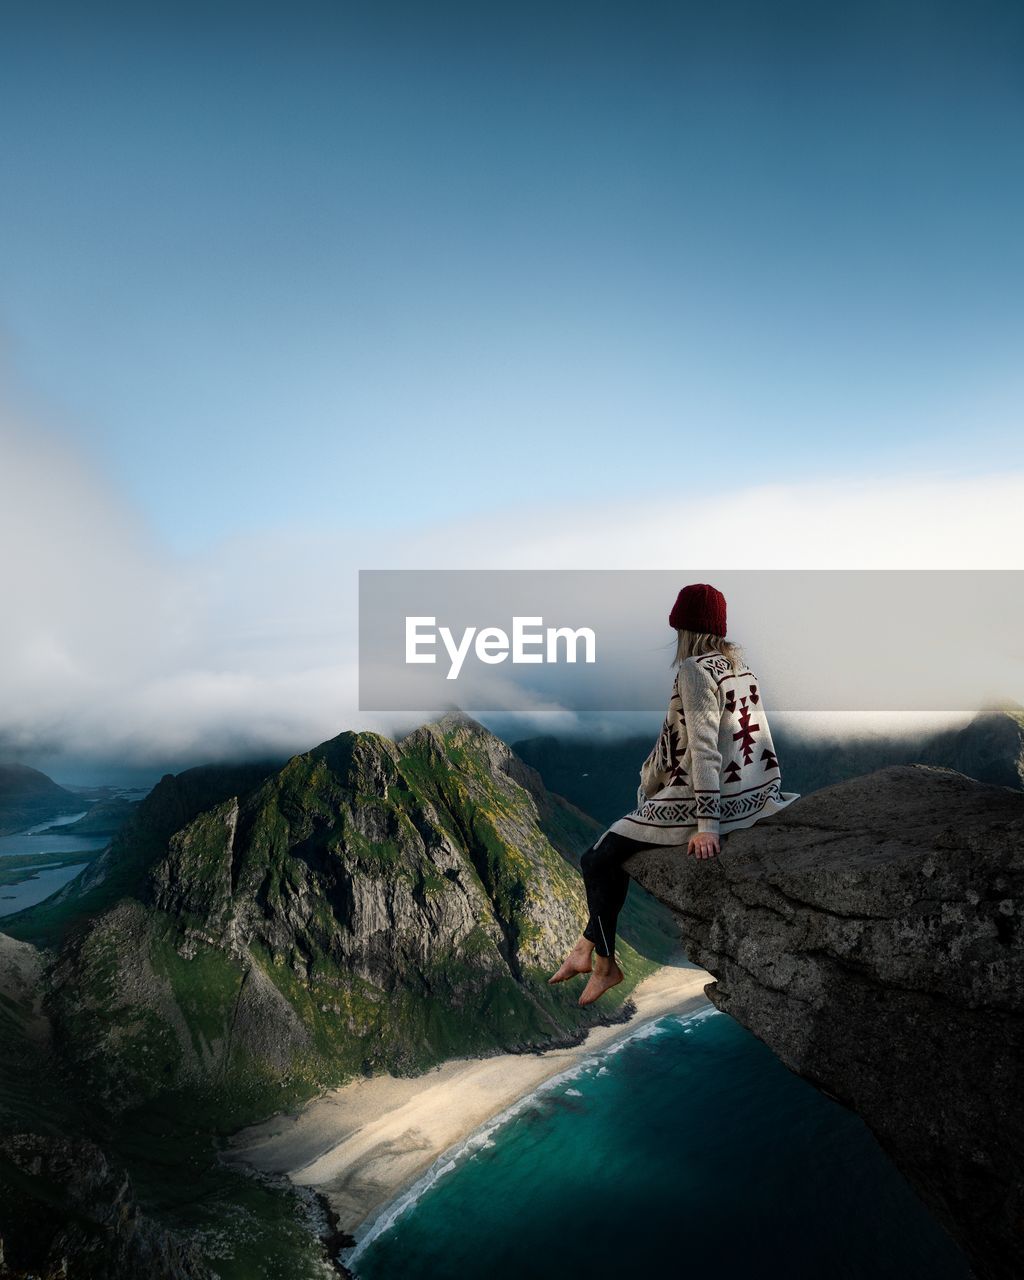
{"type": "Point", "coordinates": [39, 882]}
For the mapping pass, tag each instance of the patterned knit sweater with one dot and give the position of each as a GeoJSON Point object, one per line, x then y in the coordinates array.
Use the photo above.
{"type": "Point", "coordinates": [713, 767]}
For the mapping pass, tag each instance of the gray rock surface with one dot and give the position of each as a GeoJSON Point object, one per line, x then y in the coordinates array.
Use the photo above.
{"type": "Point", "coordinates": [871, 937]}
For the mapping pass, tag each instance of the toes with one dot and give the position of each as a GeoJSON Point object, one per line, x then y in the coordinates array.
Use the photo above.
{"type": "Point", "coordinates": [589, 995]}
{"type": "Point", "coordinates": [561, 976]}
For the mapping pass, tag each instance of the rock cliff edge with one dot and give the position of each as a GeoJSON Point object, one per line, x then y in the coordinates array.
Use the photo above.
{"type": "Point", "coordinates": [871, 936]}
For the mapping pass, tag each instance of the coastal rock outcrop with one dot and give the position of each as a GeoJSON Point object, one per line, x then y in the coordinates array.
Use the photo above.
{"type": "Point", "coordinates": [871, 937]}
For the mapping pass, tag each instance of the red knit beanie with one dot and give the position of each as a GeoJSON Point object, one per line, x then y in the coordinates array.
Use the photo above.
{"type": "Point", "coordinates": [699, 607]}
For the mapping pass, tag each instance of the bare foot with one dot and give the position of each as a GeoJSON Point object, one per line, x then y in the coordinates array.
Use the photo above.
{"type": "Point", "coordinates": [576, 962]}
{"type": "Point", "coordinates": [601, 980]}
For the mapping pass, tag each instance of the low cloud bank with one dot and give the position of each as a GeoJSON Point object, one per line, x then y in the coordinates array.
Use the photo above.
{"type": "Point", "coordinates": [114, 651]}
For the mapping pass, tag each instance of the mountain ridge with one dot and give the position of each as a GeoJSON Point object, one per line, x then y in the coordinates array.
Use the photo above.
{"type": "Point", "coordinates": [28, 797]}
{"type": "Point", "coordinates": [371, 904]}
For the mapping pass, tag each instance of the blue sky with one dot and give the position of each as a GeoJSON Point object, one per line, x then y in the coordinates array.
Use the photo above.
{"type": "Point", "coordinates": [375, 265]}
{"type": "Point", "coordinates": [291, 291]}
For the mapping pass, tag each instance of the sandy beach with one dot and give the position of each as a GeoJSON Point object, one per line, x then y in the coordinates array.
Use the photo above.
{"type": "Point", "coordinates": [361, 1145]}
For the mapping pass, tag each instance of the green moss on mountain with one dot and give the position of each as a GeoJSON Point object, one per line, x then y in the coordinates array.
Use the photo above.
{"type": "Point", "coordinates": [370, 905]}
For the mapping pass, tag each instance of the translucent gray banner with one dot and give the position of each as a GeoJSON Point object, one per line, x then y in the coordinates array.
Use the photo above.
{"type": "Point", "coordinates": [599, 640]}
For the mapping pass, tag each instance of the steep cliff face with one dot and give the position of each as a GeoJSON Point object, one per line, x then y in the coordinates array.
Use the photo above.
{"type": "Point", "coordinates": [66, 1208]}
{"type": "Point", "coordinates": [371, 905]}
{"type": "Point", "coordinates": [122, 868]}
{"type": "Point", "coordinates": [375, 855]}
{"type": "Point", "coordinates": [69, 1212]}
{"type": "Point", "coordinates": [871, 936]}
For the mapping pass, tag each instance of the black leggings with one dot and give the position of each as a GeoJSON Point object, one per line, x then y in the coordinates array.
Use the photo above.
{"type": "Point", "coordinates": [607, 884]}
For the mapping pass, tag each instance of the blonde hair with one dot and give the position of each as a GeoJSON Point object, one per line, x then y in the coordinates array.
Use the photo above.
{"type": "Point", "coordinates": [689, 643]}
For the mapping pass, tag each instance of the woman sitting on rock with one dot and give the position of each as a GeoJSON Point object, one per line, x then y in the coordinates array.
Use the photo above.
{"type": "Point", "coordinates": [712, 769]}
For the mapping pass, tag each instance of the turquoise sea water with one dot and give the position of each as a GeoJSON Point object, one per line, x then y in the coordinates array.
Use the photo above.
{"type": "Point", "coordinates": [686, 1150]}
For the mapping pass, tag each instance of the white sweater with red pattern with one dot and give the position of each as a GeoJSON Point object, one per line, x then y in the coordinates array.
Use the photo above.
{"type": "Point", "coordinates": [713, 767]}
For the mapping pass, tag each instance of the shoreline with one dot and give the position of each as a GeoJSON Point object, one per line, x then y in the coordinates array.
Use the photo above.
{"type": "Point", "coordinates": [366, 1145]}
